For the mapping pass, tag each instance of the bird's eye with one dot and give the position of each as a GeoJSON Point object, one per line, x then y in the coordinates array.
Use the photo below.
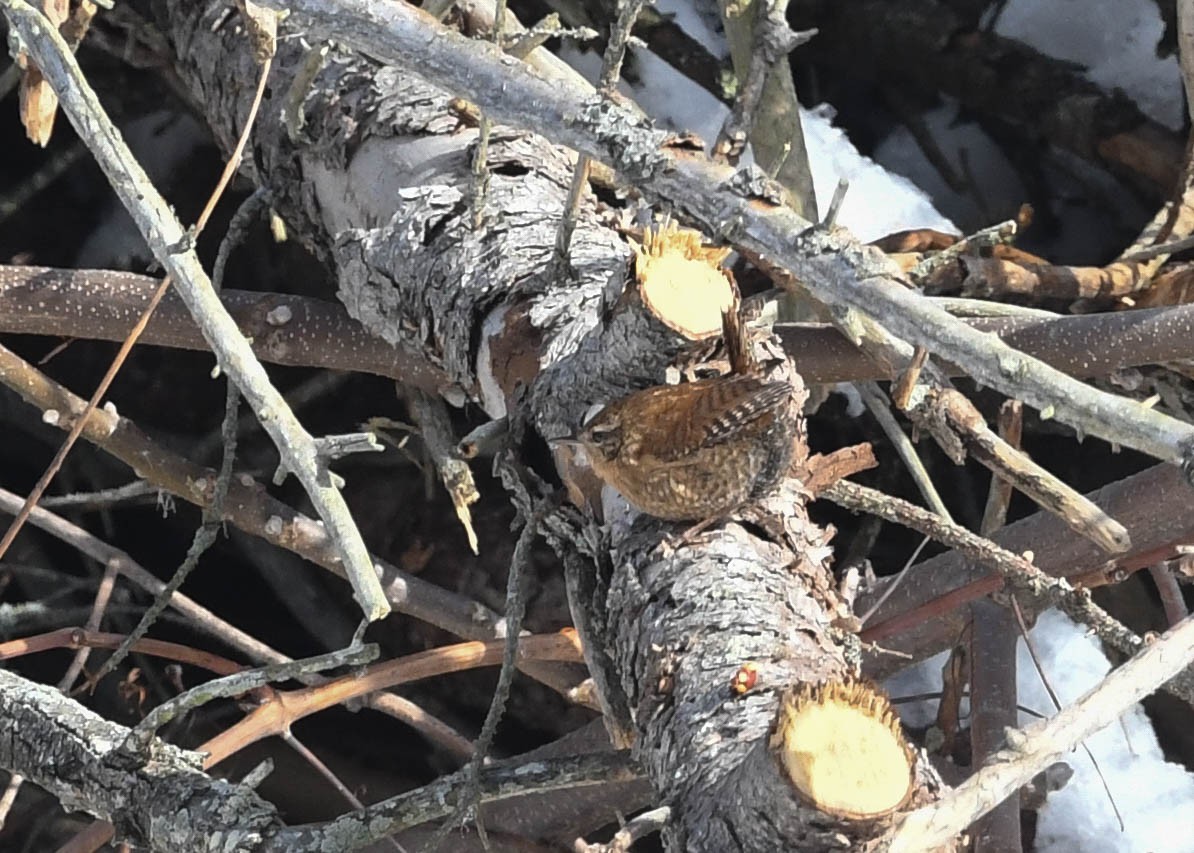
{"type": "Point", "coordinates": [601, 432]}
{"type": "Point", "coordinates": [607, 437]}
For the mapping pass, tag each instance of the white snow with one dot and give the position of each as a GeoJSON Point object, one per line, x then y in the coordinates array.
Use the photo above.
{"type": "Point", "coordinates": [695, 19]}
{"type": "Point", "coordinates": [1156, 798]}
{"type": "Point", "coordinates": [1115, 39]}
{"type": "Point", "coordinates": [878, 202]}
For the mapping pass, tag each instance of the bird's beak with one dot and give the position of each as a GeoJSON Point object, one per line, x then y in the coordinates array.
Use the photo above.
{"type": "Point", "coordinates": [564, 441]}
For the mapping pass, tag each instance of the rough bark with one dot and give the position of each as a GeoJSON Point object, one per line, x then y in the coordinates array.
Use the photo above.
{"type": "Point", "coordinates": [680, 628]}
{"type": "Point", "coordinates": [378, 188]}
{"type": "Point", "coordinates": [168, 804]}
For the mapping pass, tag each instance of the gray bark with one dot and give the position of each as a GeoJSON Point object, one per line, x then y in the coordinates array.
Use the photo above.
{"type": "Point", "coordinates": [378, 188]}
{"type": "Point", "coordinates": [169, 804]}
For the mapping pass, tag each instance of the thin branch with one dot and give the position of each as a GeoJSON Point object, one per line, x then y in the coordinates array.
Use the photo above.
{"type": "Point", "coordinates": [611, 70]}
{"type": "Point", "coordinates": [13, 200]}
{"type": "Point", "coordinates": [172, 246]}
{"type": "Point", "coordinates": [515, 610]}
{"type": "Point", "coordinates": [766, 111]}
{"type": "Point", "coordinates": [138, 740]}
{"type": "Point", "coordinates": [203, 538]}
{"type": "Point", "coordinates": [305, 332]}
{"type": "Point", "coordinates": [879, 407]}
{"type": "Point", "coordinates": [1008, 463]}
{"type": "Point", "coordinates": [1038, 745]}
{"type": "Point", "coordinates": [498, 782]}
{"type": "Point", "coordinates": [238, 226]}
{"type": "Point", "coordinates": [435, 427]}
{"type": "Point", "coordinates": [327, 773]}
{"type": "Point", "coordinates": [1169, 591]}
{"type": "Point", "coordinates": [1021, 575]}
{"type": "Point", "coordinates": [839, 271]}
{"type": "Point", "coordinates": [81, 638]}
{"type": "Point", "coordinates": [993, 640]}
{"type": "Point", "coordinates": [479, 168]}
{"type": "Point", "coordinates": [640, 826]}
{"type": "Point", "coordinates": [275, 717]}
{"type": "Point", "coordinates": [992, 235]}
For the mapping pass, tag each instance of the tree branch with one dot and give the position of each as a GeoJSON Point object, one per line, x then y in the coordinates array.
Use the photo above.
{"type": "Point", "coordinates": [168, 804]}
{"type": "Point", "coordinates": [837, 269]}
{"type": "Point", "coordinates": [171, 245]}
{"type": "Point", "coordinates": [1038, 745]}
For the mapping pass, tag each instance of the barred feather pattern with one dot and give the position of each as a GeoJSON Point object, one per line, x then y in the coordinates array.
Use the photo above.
{"type": "Point", "coordinates": [696, 450]}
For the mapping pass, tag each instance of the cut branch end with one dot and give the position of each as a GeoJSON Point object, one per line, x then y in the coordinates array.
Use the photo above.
{"type": "Point", "coordinates": [842, 748]}
{"type": "Point", "coordinates": [683, 283]}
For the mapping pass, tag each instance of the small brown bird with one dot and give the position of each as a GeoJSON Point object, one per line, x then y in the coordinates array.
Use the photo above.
{"type": "Point", "coordinates": [695, 451]}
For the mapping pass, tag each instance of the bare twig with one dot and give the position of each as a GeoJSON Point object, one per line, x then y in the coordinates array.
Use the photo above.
{"type": "Point", "coordinates": [515, 610]}
{"type": "Point", "coordinates": [431, 415]}
{"type": "Point", "coordinates": [899, 579]}
{"type": "Point", "coordinates": [142, 735]}
{"type": "Point", "coordinates": [275, 717]}
{"type": "Point", "coordinates": [993, 235]}
{"type": "Point", "coordinates": [1169, 248]}
{"type": "Point", "coordinates": [203, 539]}
{"type": "Point", "coordinates": [992, 712]}
{"type": "Point", "coordinates": [771, 42]}
{"type": "Point", "coordinates": [611, 70]}
{"type": "Point", "coordinates": [640, 826]}
{"type": "Point", "coordinates": [547, 29]}
{"type": "Point", "coordinates": [171, 246]}
{"type": "Point", "coordinates": [835, 203]}
{"type": "Point", "coordinates": [479, 168]}
{"type": "Point", "coordinates": [835, 268]}
{"type": "Point", "coordinates": [1008, 463]}
{"type": "Point", "coordinates": [284, 329]}
{"type": "Point", "coordinates": [497, 782]}
{"type": "Point", "coordinates": [1038, 745]}
{"type": "Point", "coordinates": [766, 109]}
{"type": "Point", "coordinates": [326, 772]}
{"type": "Point", "coordinates": [238, 227]}
{"type": "Point", "coordinates": [1022, 576]}
{"type": "Point", "coordinates": [1170, 592]}
{"type": "Point", "coordinates": [101, 498]}
{"type": "Point", "coordinates": [993, 639]}
{"type": "Point", "coordinates": [16, 198]}
{"type": "Point", "coordinates": [877, 404]}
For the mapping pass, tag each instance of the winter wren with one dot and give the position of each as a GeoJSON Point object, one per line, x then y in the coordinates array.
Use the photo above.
{"type": "Point", "coordinates": [695, 451]}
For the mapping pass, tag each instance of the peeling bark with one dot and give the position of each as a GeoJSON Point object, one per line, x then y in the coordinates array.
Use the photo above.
{"type": "Point", "coordinates": [378, 187]}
